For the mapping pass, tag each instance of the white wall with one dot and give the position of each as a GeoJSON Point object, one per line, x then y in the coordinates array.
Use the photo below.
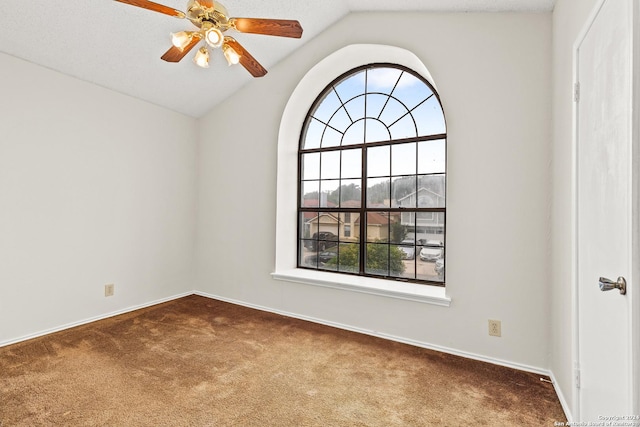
{"type": "Point", "coordinates": [569, 18]}
{"type": "Point", "coordinates": [95, 187]}
{"type": "Point", "coordinates": [493, 72]}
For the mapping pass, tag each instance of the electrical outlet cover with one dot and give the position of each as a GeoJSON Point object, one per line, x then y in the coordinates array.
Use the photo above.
{"type": "Point", "coordinates": [108, 290]}
{"type": "Point", "coordinates": [495, 328]}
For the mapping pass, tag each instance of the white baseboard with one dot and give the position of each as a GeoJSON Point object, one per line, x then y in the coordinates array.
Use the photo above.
{"type": "Point", "coordinates": [494, 361]}
{"type": "Point", "coordinates": [563, 400]}
{"type": "Point", "coordinates": [91, 319]}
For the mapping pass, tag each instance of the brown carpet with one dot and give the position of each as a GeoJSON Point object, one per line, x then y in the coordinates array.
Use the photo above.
{"type": "Point", "coordinates": [201, 362]}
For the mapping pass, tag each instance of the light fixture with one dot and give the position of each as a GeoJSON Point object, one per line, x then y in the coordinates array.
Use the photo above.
{"type": "Point", "coordinates": [202, 57]}
{"type": "Point", "coordinates": [214, 37]}
{"type": "Point", "coordinates": [181, 39]}
{"type": "Point", "coordinates": [231, 54]}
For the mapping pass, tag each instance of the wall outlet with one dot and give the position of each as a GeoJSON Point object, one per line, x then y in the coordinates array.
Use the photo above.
{"type": "Point", "coordinates": [108, 290]}
{"type": "Point", "coordinates": [495, 328]}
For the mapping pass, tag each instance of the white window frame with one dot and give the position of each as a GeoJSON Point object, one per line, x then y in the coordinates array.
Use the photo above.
{"type": "Point", "coordinates": [294, 115]}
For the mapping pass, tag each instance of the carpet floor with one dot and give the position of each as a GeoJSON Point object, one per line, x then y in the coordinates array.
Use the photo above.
{"type": "Point", "coordinates": [201, 362]}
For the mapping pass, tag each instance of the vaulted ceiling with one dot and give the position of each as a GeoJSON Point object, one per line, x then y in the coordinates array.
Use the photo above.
{"type": "Point", "coordinates": [118, 46]}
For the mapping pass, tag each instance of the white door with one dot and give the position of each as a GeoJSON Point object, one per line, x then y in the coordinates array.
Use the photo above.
{"type": "Point", "coordinates": [605, 212]}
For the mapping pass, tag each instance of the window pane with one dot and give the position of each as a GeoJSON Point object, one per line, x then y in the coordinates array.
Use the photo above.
{"type": "Point", "coordinates": [313, 134]}
{"type": "Point", "coordinates": [331, 138]}
{"type": "Point", "coordinates": [355, 107]}
{"type": "Point", "coordinates": [404, 128]}
{"type": "Point", "coordinates": [382, 79]}
{"type": "Point", "coordinates": [403, 159]}
{"type": "Point", "coordinates": [311, 166]}
{"type": "Point", "coordinates": [378, 161]}
{"type": "Point", "coordinates": [328, 260]}
{"type": "Point", "coordinates": [430, 226]}
{"type": "Point", "coordinates": [350, 193]}
{"type": "Point", "coordinates": [377, 259]}
{"type": "Point", "coordinates": [351, 87]}
{"type": "Point", "coordinates": [403, 192]}
{"type": "Point", "coordinates": [407, 248]}
{"type": "Point", "coordinates": [310, 194]}
{"type": "Point", "coordinates": [306, 257]}
{"type": "Point", "coordinates": [431, 156]}
{"type": "Point", "coordinates": [330, 165]}
{"type": "Point", "coordinates": [432, 191]}
{"type": "Point", "coordinates": [329, 193]}
{"type": "Point", "coordinates": [352, 163]}
{"type": "Point", "coordinates": [430, 265]}
{"type": "Point", "coordinates": [377, 227]}
{"type": "Point", "coordinates": [430, 118]}
{"type": "Point", "coordinates": [354, 134]}
{"type": "Point", "coordinates": [376, 131]}
{"type": "Point", "coordinates": [409, 266]}
{"type": "Point", "coordinates": [408, 223]}
{"type": "Point", "coordinates": [349, 258]}
{"type": "Point", "coordinates": [378, 192]}
{"type": "Point", "coordinates": [397, 231]}
{"type": "Point", "coordinates": [308, 226]}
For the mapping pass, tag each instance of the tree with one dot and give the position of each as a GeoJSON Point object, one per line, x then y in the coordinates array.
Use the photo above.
{"type": "Point", "coordinates": [398, 232]}
{"type": "Point", "coordinates": [382, 259]}
{"type": "Point", "coordinates": [345, 192]}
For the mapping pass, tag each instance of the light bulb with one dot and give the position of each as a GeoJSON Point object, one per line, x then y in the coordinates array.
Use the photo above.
{"type": "Point", "coordinates": [181, 39]}
{"type": "Point", "coordinates": [214, 37]}
{"type": "Point", "coordinates": [231, 54]}
{"type": "Point", "coordinates": [202, 57]}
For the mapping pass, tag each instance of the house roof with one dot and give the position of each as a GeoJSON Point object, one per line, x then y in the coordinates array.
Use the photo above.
{"type": "Point", "coordinates": [420, 190]}
{"type": "Point", "coordinates": [374, 218]}
{"type": "Point", "coordinates": [330, 217]}
{"type": "Point", "coordinates": [118, 46]}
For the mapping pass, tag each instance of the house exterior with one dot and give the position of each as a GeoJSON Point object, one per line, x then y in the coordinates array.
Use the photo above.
{"type": "Point", "coordinates": [425, 222]}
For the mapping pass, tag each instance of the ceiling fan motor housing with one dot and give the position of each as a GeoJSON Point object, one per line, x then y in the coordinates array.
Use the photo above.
{"type": "Point", "coordinates": [199, 13]}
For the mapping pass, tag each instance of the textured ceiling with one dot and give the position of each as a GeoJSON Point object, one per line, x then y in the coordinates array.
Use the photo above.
{"type": "Point", "coordinates": [118, 46]}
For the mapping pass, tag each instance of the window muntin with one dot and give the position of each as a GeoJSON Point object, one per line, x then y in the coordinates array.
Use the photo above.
{"type": "Point", "coordinates": [372, 177]}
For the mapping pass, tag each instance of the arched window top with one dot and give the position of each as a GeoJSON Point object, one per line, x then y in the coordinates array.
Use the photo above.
{"type": "Point", "coordinates": [373, 103]}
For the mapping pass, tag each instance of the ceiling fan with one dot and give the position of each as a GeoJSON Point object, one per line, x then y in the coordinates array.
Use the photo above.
{"type": "Point", "coordinates": [213, 21]}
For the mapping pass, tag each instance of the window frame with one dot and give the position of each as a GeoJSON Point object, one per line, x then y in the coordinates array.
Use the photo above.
{"type": "Point", "coordinates": [364, 209]}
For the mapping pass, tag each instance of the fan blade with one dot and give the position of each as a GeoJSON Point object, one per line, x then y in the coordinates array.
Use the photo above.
{"type": "Point", "coordinates": [206, 3]}
{"type": "Point", "coordinates": [269, 27]}
{"type": "Point", "coordinates": [174, 54]}
{"type": "Point", "coordinates": [246, 60]}
{"type": "Point", "coordinates": [146, 4]}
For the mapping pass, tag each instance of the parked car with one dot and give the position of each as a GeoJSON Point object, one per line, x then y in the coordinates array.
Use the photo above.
{"type": "Point", "coordinates": [439, 267]}
{"type": "Point", "coordinates": [321, 241]}
{"type": "Point", "coordinates": [320, 259]}
{"type": "Point", "coordinates": [431, 251]}
{"type": "Point", "coordinates": [408, 249]}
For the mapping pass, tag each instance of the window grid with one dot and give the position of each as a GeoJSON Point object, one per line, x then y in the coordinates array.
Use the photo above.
{"type": "Point", "coordinates": [326, 245]}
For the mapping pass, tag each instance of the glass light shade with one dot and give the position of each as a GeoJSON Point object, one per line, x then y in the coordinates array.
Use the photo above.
{"type": "Point", "coordinates": [202, 57]}
{"type": "Point", "coordinates": [180, 39]}
{"type": "Point", "coordinates": [214, 37]}
{"type": "Point", "coordinates": [231, 55]}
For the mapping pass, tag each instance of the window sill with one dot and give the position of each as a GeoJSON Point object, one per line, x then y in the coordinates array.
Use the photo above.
{"type": "Point", "coordinates": [435, 295]}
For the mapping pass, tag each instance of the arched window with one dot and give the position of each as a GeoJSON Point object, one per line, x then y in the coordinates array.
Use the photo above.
{"type": "Point", "coordinates": [372, 173]}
